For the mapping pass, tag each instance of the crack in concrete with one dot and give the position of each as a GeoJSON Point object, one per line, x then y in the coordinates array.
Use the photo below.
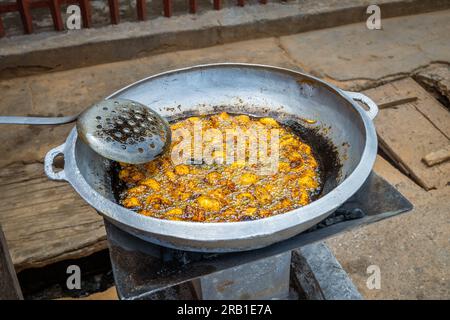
{"type": "Point", "coordinates": [286, 53]}
{"type": "Point", "coordinates": [375, 82]}
{"type": "Point", "coordinates": [372, 82]}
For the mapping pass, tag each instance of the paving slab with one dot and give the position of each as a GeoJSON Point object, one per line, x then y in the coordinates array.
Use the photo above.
{"type": "Point", "coordinates": [353, 52]}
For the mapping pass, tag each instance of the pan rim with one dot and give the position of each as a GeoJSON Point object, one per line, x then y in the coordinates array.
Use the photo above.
{"type": "Point", "coordinates": [227, 231]}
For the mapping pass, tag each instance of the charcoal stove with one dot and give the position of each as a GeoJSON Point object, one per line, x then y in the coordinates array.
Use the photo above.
{"type": "Point", "coordinates": [299, 267]}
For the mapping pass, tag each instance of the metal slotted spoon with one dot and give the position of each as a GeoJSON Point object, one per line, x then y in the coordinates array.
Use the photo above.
{"type": "Point", "coordinates": [118, 129]}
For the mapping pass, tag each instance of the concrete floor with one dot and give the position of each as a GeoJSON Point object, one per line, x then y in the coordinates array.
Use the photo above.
{"type": "Point", "coordinates": [412, 250]}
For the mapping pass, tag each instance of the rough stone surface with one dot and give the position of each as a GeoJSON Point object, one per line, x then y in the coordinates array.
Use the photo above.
{"type": "Point", "coordinates": [412, 250]}
{"type": "Point", "coordinates": [436, 77]}
{"type": "Point", "coordinates": [52, 51]}
{"type": "Point", "coordinates": [393, 52]}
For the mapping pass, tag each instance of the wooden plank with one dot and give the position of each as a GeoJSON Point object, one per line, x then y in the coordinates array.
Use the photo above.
{"type": "Point", "coordinates": [426, 103]}
{"type": "Point", "coordinates": [395, 102]}
{"type": "Point", "coordinates": [402, 183]}
{"type": "Point", "coordinates": [55, 9]}
{"type": "Point", "coordinates": [8, 7]}
{"type": "Point", "coordinates": [216, 4]}
{"type": "Point", "coordinates": [33, 4]}
{"type": "Point", "coordinates": [409, 131]}
{"type": "Point", "coordinates": [85, 7]}
{"type": "Point", "coordinates": [141, 10]}
{"type": "Point", "coordinates": [192, 6]}
{"type": "Point", "coordinates": [167, 6]}
{"type": "Point", "coordinates": [25, 14]}
{"type": "Point", "coordinates": [45, 221]}
{"type": "Point", "coordinates": [2, 29]}
{"type": "Point", "coordinates": [9, 285]}
{"type": "Point", "coordinates": [389, 92]}
{"type": "Point", "coordinates": [114, 11]}
{"type": "Point", "coordinates": [437, 156]}
{"type": "Point", "coordinates": [407, 136]}
{"type": "Point", "coordinates": [38, 3]}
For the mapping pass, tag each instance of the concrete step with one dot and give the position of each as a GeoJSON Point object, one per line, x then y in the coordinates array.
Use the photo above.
{"type": "Point", "coordinates": [54, 51]}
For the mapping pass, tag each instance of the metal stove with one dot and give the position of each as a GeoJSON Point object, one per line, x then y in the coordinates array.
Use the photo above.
{"type": "Point", "coordinates": [301, 267]}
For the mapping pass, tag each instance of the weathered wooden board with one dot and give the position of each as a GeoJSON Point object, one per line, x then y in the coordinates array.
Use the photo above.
{"type": "Point", "coordinates": [45, 221]}
{"type": "Point", "coordinates": [437, 156]}
{"type": "Point", "coordinates": [9, 285]}
{"type": "Point", "coordinates": [425, 104]}
{"type": "Point", "coordinates": [409, 132]}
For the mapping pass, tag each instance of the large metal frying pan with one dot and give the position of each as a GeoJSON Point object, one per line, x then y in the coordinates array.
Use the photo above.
{"type": "Point", "coordinates": [254, 89]}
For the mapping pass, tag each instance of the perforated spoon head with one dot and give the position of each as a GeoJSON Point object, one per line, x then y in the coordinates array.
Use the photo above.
{"type": "Point", "coordinates": [124, 130]}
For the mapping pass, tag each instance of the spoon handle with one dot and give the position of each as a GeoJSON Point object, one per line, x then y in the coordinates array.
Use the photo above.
{"type": "Point", "coordinates": [37, 120]}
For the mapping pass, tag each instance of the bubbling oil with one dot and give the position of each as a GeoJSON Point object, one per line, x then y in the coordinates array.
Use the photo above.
{"type": "Point", "coordinates": [223, 191]}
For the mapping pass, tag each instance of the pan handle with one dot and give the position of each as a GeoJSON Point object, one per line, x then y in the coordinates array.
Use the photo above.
{"type": "Point", "coordinates": [357, 96]}
{"type": "Point", "coordinates": [49, 161]}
